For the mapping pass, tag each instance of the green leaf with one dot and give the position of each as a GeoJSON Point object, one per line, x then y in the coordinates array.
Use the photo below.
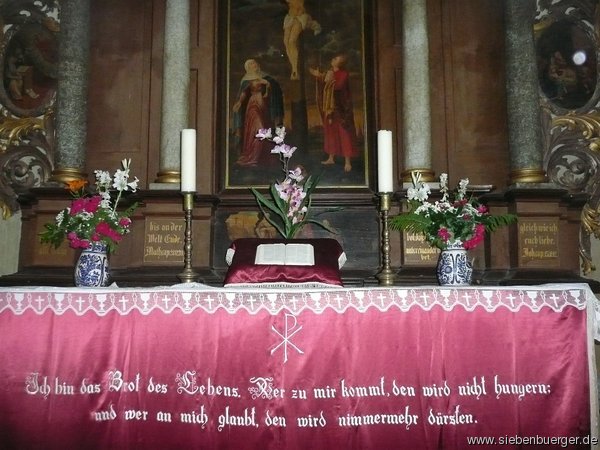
{"type": "Point", "coordinates": [263, 203]}
{"type": "Point", "coordinates": [495, 222]}
{"type": "Point", "coordinates": [414, 223]}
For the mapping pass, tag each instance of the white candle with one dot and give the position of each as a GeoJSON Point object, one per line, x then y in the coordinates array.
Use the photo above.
{"type": "Point", "coordinates": [188, 160]}
{"type": "Point", "coordinates": [385, 161]}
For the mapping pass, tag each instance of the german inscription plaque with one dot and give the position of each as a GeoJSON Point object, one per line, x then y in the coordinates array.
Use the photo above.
{"type": "Point", "coordinates": [163, 241]}
{"type": "Point", "coordinates": [418, 252]}
{"type": "Point", "coordinates": [538, 242]}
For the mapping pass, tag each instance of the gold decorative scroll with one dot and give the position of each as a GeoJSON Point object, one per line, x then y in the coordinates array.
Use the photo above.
{"type": "Point", "coordinates": [14, 129]}
{"type": "Point", "coordinates": [589, 125]}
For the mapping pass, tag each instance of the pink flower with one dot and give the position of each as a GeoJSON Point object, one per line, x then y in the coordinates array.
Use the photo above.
{"type": "Point", "coordinates": [443, 234]}
{"type": "Point", "coordinates": [77, 206]}
{"type": "Point", "coordinates": [473, 242]}
{"type": "Point", "coordinates": [86, 204]}
{"type": "Point", "coordinates": [478, 236]}
{"type": "Point", "coordinates": [285, 150]}
{"type": "Point", "coordinates": [124, 221]}
{"type": "Point", "coordinates": [75, 242]}
{"type": "Point", "coordinates": [93, 203]}
{"type": "Point", "coordinates": [264, 133]}
{"type": "Point", "coordinates": [104, 229]}
{"type": "Point", "coordinates": [482, 209]}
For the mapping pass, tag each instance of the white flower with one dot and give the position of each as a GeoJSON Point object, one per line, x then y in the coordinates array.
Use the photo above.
{"type": "Point", "coordinates": [133, 184]}
{"type": "Point", "coordinates": [411, 193]}
{"type": "Point", "coordinates": [296, 174]}
{"type": "Point", "coordinates": [105, 202]}
{"type": "Point", "coordinates": [120, 181]}
{"type": "Point", "coordinates": [285, 150]}
{"type": "Point", "coordinates": [279, 135]}
{"type": "Point", "coordinates": [60, 217]}
{"type": "Point", "coordinates": [423, 193]}
{"type": "Point", "coordinates": [103, 179]}
{"type": "Point", "coordinates": [424, 209]}
{"type": "Point", "coordinates": [444, 186]}
{"type": "Point", "coordinates": [416, 178]}
{"type": "Point", "coordinates": [443, 182]}
{"type": "Point", "coordinates": [462, 188]}
{"type": "Point", "coordinates": [264, 133]}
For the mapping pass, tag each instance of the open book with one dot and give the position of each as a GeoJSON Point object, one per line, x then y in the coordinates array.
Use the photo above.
{"type": "Point", "coordinates": [285, 254]}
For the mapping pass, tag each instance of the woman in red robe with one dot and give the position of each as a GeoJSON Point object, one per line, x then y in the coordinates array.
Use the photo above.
{"type": "Point", "coordinates": [335, 106]}
{"type": "Point", "coordinates": [259, 105]}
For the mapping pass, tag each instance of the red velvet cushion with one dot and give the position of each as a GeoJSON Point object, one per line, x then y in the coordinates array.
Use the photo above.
{"type": "Point", "coordinates": [243, 270]}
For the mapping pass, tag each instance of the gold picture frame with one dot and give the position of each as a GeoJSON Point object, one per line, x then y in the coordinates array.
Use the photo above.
{"type": "Point", "coordinates": [299, 64]}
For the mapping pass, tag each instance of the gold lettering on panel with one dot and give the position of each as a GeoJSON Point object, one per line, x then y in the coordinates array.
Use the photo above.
{"type": "Point", "coordinates": [163, 241]}
{"type": "Point", "coordinates": [538, 242]}
{"type": "Point", "coordinates": [418, 252]}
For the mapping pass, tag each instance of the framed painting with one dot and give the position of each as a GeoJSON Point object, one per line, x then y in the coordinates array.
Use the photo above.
{"type": "Point", "coordinates": [29, 59]}
{"type": "Point", "coordinates": [298, 64]}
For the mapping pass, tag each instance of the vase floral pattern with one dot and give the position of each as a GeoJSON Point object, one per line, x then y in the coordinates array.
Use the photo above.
{"type": "Point", "coordinates": [92, 269]}
{"type": "Point", "coordinates": [454, 267]}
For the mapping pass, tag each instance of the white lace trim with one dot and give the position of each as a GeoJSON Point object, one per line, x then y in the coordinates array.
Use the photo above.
{"type": "Point", "coordinates": [253, 299]}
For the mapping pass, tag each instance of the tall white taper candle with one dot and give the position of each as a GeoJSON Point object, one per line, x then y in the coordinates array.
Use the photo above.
{"type": "Point", "coordinates": [188, 160]}
{"type": "Point", "coordinates": [385, 161]}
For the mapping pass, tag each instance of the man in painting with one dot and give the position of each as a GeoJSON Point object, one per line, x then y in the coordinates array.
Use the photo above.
{"type": "Point", "coordinates": [294, 23]}
{"type": "Point", "coordinates": [19, 75]}
{"type": "Point", "coordinates": [259, 105]}
{"type": "Point", "coordinates": [335, 106]}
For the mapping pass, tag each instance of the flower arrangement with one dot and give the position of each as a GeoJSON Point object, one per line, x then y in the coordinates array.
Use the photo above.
{"type": "Point", "coordinates": [290, 198]}
{"type": "Point", "coordinates": [93, 217]}
{"type": "Point", "coordinates": [449, 222]}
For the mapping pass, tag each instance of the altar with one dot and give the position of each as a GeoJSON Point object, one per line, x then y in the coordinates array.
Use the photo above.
{"type": "Point", "coordinates": [190, 366]}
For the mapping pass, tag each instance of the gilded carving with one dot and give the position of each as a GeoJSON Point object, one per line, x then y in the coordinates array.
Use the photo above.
{"type": "Point", "coordinates": [573, 159]}
{"type": "Point", "coordinates": [28, 58]}
{"type": "Point", "coordinates": [567, 47]}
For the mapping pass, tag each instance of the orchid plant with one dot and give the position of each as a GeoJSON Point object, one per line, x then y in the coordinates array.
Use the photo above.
{"type": "Point", "coordinates": [93, 217]}
{"type": "Point", "coordinates": [291, 198]}
{"type": "Point", "coordinates": [454, 220]}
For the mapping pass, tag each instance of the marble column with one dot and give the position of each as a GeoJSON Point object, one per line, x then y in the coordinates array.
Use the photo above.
{"type": "Point", "coordinates": [416, 109]}
{"type": "Point", "coordinates": [175, 90]}
{"type": "Point", "coordinates": [524, 126]}
{"type": "Point", "coordinates": [72, 90]}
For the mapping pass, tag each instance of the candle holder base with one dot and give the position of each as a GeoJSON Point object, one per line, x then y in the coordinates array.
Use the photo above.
{"type": "Point", "coordinates": [188, 276]}
{"type": "Point", "coordinates": [386, 277]}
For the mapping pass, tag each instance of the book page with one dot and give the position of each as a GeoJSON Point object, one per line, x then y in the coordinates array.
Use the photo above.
{"type": "Point", "coordinates": [282, 254]}
{"type": "Point", "coordinates": [270, 254]}
{"type": "Point", "coordinates": [300, 254]}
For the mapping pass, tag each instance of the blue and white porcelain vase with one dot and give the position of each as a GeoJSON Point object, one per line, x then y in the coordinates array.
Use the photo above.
{"type": "Point", "coordinates": [454, 268]}
{"type": "Point", "coordinates": [92, 268]}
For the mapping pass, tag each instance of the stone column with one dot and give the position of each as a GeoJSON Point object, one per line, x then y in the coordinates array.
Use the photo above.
{"type": "Point", "coordinates": [416, 110]}
{"type": "Point", "coordinates": [524, 127]}
{"type": "Point", "coordinates": [72, 87]}
{"type": "Point", "coordinates": [176, 80]}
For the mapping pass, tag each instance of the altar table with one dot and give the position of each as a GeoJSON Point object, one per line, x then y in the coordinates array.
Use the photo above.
{"type": "Point", "coordinates": [195, 367]}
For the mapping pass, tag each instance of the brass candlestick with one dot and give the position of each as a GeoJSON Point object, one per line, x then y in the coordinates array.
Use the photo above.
{"type": "Point", "coordinates": [385, 275]}
{"type": "Point", "coordinates": [188, 275]}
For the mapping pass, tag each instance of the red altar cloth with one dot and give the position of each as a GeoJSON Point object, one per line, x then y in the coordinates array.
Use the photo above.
{"type": "Point", "coordinates": [385, 368]}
